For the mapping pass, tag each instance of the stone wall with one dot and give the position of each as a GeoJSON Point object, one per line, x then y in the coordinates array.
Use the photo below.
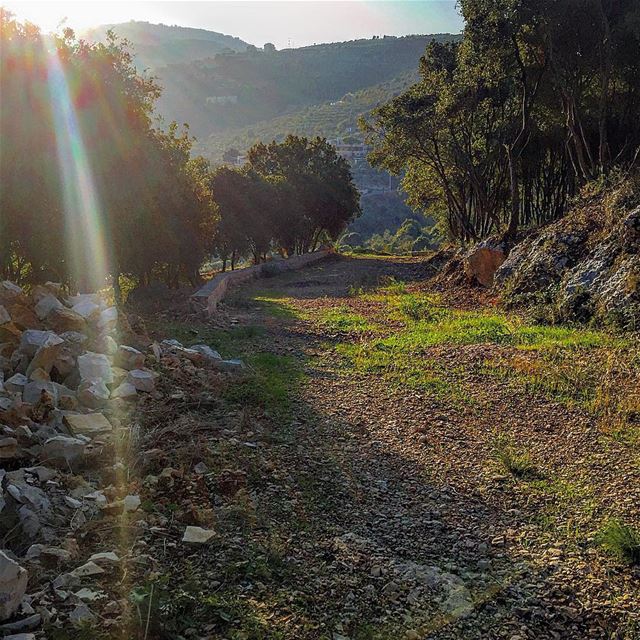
{"type": "Point", "coordinates": [215, 290]}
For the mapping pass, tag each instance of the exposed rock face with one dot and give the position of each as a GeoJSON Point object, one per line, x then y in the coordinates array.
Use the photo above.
{"type": "Point", "coordinates": [583, 271]}
{"type": "Point", "coordinates": [481, 262]}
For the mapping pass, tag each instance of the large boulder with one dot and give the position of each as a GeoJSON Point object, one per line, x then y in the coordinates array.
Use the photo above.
{"type": "Point", "coordinates": [482, 261]}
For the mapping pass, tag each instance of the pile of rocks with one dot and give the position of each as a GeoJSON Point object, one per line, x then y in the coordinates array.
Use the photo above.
{"type": "Point", "coordinates": [65, 388]}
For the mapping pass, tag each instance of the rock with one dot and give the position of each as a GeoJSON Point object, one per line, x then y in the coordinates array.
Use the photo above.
{"type": "Point", "coordinates": [483, 260]}
{"type": "Point", "coordinates": [62, 320]}
{"type": "Point", "coordinates": [88, 595]}
{"type": "Point", "coordinates": [201, 468]}
{"type": "Point", "coordinates": [33, 339]}
{"type": "Point", "coordinates": [197, 535]}
{"type": "Point", "coordinates": [230, 366]}
{"type": "Point", "coordinates": [46, 305]}
{"type": "Point", "coordinates": [86, 309]}
{"type": "Point", "coordinates": [142, 380]}
{"type": "Point", "coordinates": [131, 503]}
{"type": "Point", "coordinates": [87, 570]}
{"type": "Point", "coordinates": [20, 636]}
{"type": "Point", "coordinates": [30, 622]}
{"type": "Point", "coordinates": [107, 345]}
{"type": "Point", "coordinates": [16, 383]}
{"type": "Point", "coordinates": [46, 353]}
{"type": "Point", "coordinates": [87, 424]}
{"type": "Point", "coordinates": [95, 366]}
{"type": "Point", "coordinates": [93, 393]}
{"type": "Point", "coordinates": [13, 585]}
{"type": "Point", "coordinates": [4, 315]}
{"type": "Point", "coordinates": [23, 317]}
{"type": "Point", "coordinates": [64, 451]}
{"type": "Point", "coordinates": [108, 320]}
{"type": "Point", "coordinates": [8, 448]}
{"type": "Point", "coordinates": [81, 616]}
{"type": "Point", "coordinates": [107, 557]}
{"type": "Point", "coordinates": [33, 391]}
{"type": "Point", "coordinates": [129, 358]}
{"type": "Point", "coordinates": [206, 351]}
{"type": "Point", "coordinates": [580, 267]}
{"type": "Point", "coordinates": [126, 391]}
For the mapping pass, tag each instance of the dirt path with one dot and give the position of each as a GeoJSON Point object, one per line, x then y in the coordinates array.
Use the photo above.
{"type": "Point", "coordinates": [349, 505]}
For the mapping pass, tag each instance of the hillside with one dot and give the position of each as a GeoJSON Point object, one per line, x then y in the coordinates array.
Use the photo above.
{"type": "Point", "coordinates": [234, 95]}
{"type": "Point", "coordinates": [238, 89]}
{"type": "Point", "coordinates": [158, 45]}
{"type": "Point", "coordinates": [331, 119]}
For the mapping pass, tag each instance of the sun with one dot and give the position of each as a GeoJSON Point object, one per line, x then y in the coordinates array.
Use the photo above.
{"type": "Point", "coordinates": [52, 15]}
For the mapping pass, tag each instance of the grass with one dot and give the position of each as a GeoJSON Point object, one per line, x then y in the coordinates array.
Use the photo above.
{"type": "Point", "coordinates": [518, 463]}
{"type": "Point", "coordinates": [343, 320]}
{"type": "Point", "coordinates": [569, 364]}
{"type": "Point", "coordinates": [621, 540]}
{"type": "Point", "coordinates": [269, 385]}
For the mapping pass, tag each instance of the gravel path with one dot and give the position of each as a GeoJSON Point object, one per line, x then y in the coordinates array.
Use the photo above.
{"type": "Point", "coordinates": [390, 515]}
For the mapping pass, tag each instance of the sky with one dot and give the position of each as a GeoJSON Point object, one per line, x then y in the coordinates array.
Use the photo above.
{"type": "Point", "coordinates": [294, 23]}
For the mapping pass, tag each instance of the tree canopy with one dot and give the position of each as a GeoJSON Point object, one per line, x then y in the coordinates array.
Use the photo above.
{"type": "Point", "coordinates": [503, 127]}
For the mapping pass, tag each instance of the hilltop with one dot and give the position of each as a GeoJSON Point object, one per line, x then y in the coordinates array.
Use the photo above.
{"type": "Point", "coordinates": [157, 45]}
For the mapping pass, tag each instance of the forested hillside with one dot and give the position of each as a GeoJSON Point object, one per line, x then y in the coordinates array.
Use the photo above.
{"type": "Point", "coordinates": [233, 99]}
{"type": "Point", "coordinates": [331, 119]}
{"type": "Point", "coordinates": [157, 45]}
{"type": "Point", "coordinates": [261, 85]}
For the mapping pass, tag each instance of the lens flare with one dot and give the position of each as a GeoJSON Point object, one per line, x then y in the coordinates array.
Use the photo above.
{"type": "Point", "coordinates": [84, 232]}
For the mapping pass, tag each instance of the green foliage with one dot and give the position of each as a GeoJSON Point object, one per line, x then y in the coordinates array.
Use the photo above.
{"type": "Point", "coordinates": [621, 540]}
{"type": "Point", "coordinates": [77, 121]}
{"type": "Point", "coordinates": [482, 139]}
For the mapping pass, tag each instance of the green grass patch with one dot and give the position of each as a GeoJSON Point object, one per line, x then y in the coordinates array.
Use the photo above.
{"type": "Point", "coordinates": [276, 307]}
{"type": "Point", "coordinates": [269, 384]}
{"type": "Point", "coordinates": [560, 362]}
{"type": "Point", "coordinates": [343, 320]}
{"type": "Point", "coordinates": [621, 540]}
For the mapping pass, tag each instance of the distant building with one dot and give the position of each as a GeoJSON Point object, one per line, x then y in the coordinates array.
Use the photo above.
{"type": "Point", "coordinates": [351, 151]}
{"type": "Point", "coordinates": [240, 160]}
{"type": "Point", "coordinates": [222, 100]}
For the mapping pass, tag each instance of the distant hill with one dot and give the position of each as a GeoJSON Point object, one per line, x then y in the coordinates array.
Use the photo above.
{"type": "Point", "coordinates": [233, 94]}
{"type": "Point", "coordinates": [333, 119]}
{"type": "Point", "coordinates": [158, 45]}
{"type": "Point", "coordinates": [229, 91]}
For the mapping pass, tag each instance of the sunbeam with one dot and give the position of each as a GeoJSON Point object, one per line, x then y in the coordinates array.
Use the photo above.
{"type": "Point", "coordinates": [83, 216]}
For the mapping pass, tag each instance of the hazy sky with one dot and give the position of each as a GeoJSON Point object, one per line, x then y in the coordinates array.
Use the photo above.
{"type": "Point", "coordinates": [293, 23]}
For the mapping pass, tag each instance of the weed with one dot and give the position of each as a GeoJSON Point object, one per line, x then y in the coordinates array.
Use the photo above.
{"type": "Point", "coordinates": [621, 540]}
{"type": "Point", "coordinates": [517, 463]}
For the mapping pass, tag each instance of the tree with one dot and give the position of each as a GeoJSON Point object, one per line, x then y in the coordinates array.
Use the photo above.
{"type": "Point", "coordinates": [316, 185]}
{"type": "Point", "coordinates": [115, 195]}
{"type": "Point", "coordinates": [503, 128]}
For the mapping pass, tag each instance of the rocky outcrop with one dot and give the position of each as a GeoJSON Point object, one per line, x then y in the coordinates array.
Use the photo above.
{"type": "Point", "coordinates": [581, 269]}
